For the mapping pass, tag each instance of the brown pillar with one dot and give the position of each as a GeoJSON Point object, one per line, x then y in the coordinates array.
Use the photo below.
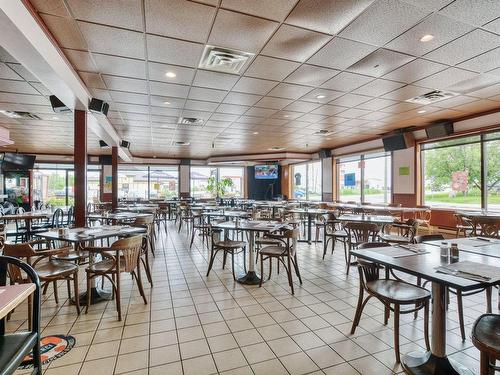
{"type": "Point", "coordinates": [114, 174]}
{"type": "Point", "coordinates": [80, 161]}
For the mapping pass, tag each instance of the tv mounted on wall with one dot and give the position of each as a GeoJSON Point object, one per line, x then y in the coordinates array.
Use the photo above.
{"type": "Point", "coordinates": [266, 172]}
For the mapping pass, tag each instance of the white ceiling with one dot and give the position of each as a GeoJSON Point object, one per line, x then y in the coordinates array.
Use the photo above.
{"type": "Point", "coordinates": [365, 57]}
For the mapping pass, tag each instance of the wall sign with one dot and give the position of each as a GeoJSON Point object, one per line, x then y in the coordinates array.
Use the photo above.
{"type": "Point", "coordinates": [404, 171]}
{"type": "Point", "coordinates": [350, 179]}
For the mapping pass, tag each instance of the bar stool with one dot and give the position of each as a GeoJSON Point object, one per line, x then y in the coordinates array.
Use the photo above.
{"type": "Point", "coordinates": [485, 334]}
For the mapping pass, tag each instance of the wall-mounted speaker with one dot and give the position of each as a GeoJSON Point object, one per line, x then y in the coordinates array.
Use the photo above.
{"type": "Point", "coordinates": [57, 105]}
{"type": "Point", "coordinates": [398, 141]}
{"type": "Point", "coordinates": [124, 144]}
{"type": "Point", "coordinates": [105, 160]}
{"type": "Point", "coordinates": [324, 153]}
{"type": "Point", "coordinates": [439, 129]}
{"type": "Point", "coordinates": [98, 106]}
{"type": "Point", "coordinates": [185, 161]}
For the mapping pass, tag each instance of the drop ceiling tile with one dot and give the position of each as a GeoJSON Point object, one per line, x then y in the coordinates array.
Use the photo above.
{"type": "Point", "coordinates": [383, 21]}
{"type": "Point", "coordinates": [241, 98]}
{"type": "Point", "coordinates": [92, 80]}
{"type": "Point", "coordinates": [125, 14]}
{"type": "Point", "coordinates": [465, 47]}
{"type": "Point", "coordinates": [294, 43]}
{"type": "Point", "coordinates": [341, 53]}
{"type": "Point", "coordinates": [301, 106]}
{"type": "Point", "coordinates": [131, 108]}
{"type": "Point", "coordinates": [180, 19]}
{"type": "Point", "coordinates": [486, 92]}
{"type": "Point", "coordinates": [270, 68]}
{"type": "Point", "coordinates": [17, 72]}
{"type": "Point", "coordinates": [101, 94]}
{"type": "Point", "coordinates": [289, 91]}
{"type": "Point", "coordinates": [254, 85]}
{"type": "Point", "coordinates": [19, 87]}
{"type": "Point", "coordinates": [346, 81]}
{"type": "Point", "coordinates": [310, 117]}
{"type": "Point", "coordinates": [350, 100]}
{"type": "Point", "coordinates": [200, 93]}
{"type": "Point", "coordinates": [112, 41]}
{"type": "Point", "coordinates": [406, 92]}
{"type": "Point", "coordinates": [120, 66]}
{"type": "Point", "coordinates": [288, 115]}
{"type": "Point", "coordinates": [223, 117]}
{"type": "Point", "coordinates": [214, 80]}
{"type": "Point", "coordinates": [415, 70]}
{"type": "Point", "coordinates": [128, 97]}
{"type": "Point", "coordinates": [260, 112]}
{"type": "Point", "coordinates": [376, 104]}
{"type": "Point", "coordinates": [431, 5]}
{"type": "Point", "coordinates": [443, 29]}
{"type": "Point", "coordinates": [378, 87]}
{"type": "Point", "coordinates": [168, 89]}
{"type": "Point", "coordinates": [476, 13]}
{"type": "Point", "coordinates": [125, 84]}
{"type": "Point", "coordinates": [275, 10]}
{"type": "Point", "coordinates": [240, 32]}
{"type": "Point", "coordinates": [40, 88]}
{"type": "Point", "coordinates": [374, 116]}
{"type": "Point", "coordinates": [65, 30]}
{"type": "Point", "coordinates": [333, 120]}
{"type": "Point", "coordinates": [380, 62]}
{"type": "Point", "coordinates": [173, 51]}
{"type": "Point", "coordinates": [354, 112]}
{"type": "Point", "coordinates": [474, 83]}
{"type": "Point", "coordinates": [328, 110]}
{"type": "Point", "coordinates": [273, 103]}
{"type": "Point", "coordinates": [173, 102]}
{"type": "Point", "coordinates": [311, 75]}
{"type": "Point", "coordinates": [200, 106]}
{"type": "Point", "coordinates": [321, 95]}
{"type": "Point", "coordinates": [401, 107]}
{"type": "Point", "coordinates": [445, 78]}
{"type": "Point", "coordinates": [326, 16]}
{"type": "Point", "coordinates": [493, 26]}
{"type": "Point", "coordinates": [54, 7]}
{"type": "Point", "coordinates": [454, 102]}
{"type": "Point", "coordinates": [232, 109]}
{"type": "Point", "coordinates": [483, 63]}
{"type": "Point", "coordinates": [183, 76]}
{"type": "Point", "coordinates": [81, 60]}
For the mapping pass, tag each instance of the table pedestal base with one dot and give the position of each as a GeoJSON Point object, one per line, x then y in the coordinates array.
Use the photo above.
{"type": "Point", "coordinates": [250, 278]}
{"type": "Point", "coordinates": [425, 363]}
{"type": "Point", "coordinates": [96, 295]}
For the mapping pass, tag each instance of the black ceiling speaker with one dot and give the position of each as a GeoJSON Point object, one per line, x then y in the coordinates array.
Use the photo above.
{"type": "Point", "coordinates": [324, 153]}
{"type": "Point", "coordinates": [125, 144]}
{"type": "Point", "coordinates": [185, 161]}
{"type": "Point", "coordinates": [439, 129]}
{"type": "Point", "coordinates": [398, 141]}
{"type": "Point", "coordinates": [98, 106]}
{"type": "Point", "coordinates": [103, 144]}
{"type": "Point", "coordinates": [57, 105]}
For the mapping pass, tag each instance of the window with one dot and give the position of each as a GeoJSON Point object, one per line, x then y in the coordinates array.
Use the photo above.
{"type": "Point", "coordinates": [93, 186]}
{"type": "Point", "coordinates": [133, 182]}
{"type": "Point", "coordinates": [452, 172]}
{"type": "Point", "coordinates": [307, 179]}
{"type": "Point", "coordinates": [200, 181]}
{"type": "Point", "coordinates": [365, 178]}
{"type": "Point", "coordinates": [163, 182]}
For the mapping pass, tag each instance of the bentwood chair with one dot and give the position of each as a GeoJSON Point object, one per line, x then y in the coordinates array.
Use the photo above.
{"type": "Point", "coordinates": [485, 333]}
{"type": "Point", "coordinates": [393, 294]}
{"type": "Point", "coordinates": [122, 256]}
{"type": "Point", "coordinates": [49, 270]}
{"type": "Point", "coordinates": [333, 232]}
{"type": "Point", "coordinates": [358, 233]}
{"type": "Point", "coordinates": [146, 222]}
{"type": "Point", "coordinates": [408, 232]}
{"type": "Point", "coordinates": [285, 253]}
{"type": "Point", "coordinates": [424, 218]}
{"type": "Point", "coordinates": [463, 226]}
{"type": "Point", "coordinates": [227, 246]}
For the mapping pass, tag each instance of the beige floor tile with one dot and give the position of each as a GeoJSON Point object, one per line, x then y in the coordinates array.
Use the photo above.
{"type": "Point", "coordinates": [298, 363]}
{"type": "Point", "coordinates": [64, 370]}
{"type": "Point", "coordinates": [195, 348]}
{"type": "Point", "coordinates": [229, 359]}
{"type": "Point", "coordinates": [272, 366]}
{"type": "Point", "coordinates": [174, 368]}
{"type": "Point", "coordinates": [222, 342]}
{"type": "Point", "coordinates": [164, 354]}
{"type": "Point", "coordinates": [248, 337]}
{"type": "Point", "coordinates": [163, 339]}
{"type": "Point", "coordinates": [134, 344]}
{"type": "Point", "coordinates": [102, 350]}
{"type": "Point", "coordinates": [324, 356]}
{"type": "Point", "coordinates": [131, 362]}
{"type": "Point", "coordinates": [199, 366]}
{"type": "Point", "coordinates": [104, 366]}
{"type": "Point", "coordinates": [283, 346]}
{"type": "Point", "coordinates": [258, 353]}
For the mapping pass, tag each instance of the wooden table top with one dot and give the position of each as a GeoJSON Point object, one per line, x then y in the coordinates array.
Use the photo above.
{"type": "Point", "coordinates": [29, 215]}
{"type": "Point", "coordinates": [480, 214]}
{"type": "Point", "coordinates": [77, 235]}
{"type": "Point", "coordinates": [227, 213]}
{"type": "Point", "coordinates": [367, 218]}
{"type": "Point", "coordinates": [250, 226]}
{"type": "Point", "coordinates": [423, 265]}
{"type": "Point", "coordinates": [475, 245]}
{"type": "Point", "coordinates": [12, 296]}
{"type": "Point", "coordinates": [118, 216]}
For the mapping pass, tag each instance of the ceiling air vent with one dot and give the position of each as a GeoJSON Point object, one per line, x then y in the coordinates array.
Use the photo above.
{"type": "Point", "coordinates": [323, 132]}
{"type": "Point", "coordinates": [23, 115]}
{"type": "Point", "coordinates": [181, 143]}
{"type": "Point", "coordinates": [223, 60]}
{"type": "Point", "coordinates": [192, 121]}
{"type": "Point", "coordinates": [276, 148]}
{"type": "Point", "coordinates": [432, 97]}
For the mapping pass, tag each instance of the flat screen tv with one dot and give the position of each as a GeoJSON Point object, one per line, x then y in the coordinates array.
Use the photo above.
{"type": "Point", "coordinates": [266, 172]}
{"type": "Point", "coordinates": [17, 162]}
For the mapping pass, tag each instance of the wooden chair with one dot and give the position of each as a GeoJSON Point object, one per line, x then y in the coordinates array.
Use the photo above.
{"type": "Point", "coordinates": [408, 229]}
{"type": "Point", "coordinates": [485, 333]}
{"type": "Point", "coordinates": [334, 232]}
{"type": "Point", "coordinates": [48, 270]}
{"type": "Point", "coordinates": [122, 256]}
{"type": "Point", "coordinates": [227, 246]}
{"type": "Point", "coordinates": [464, 225]}
{"type": "Point", "coordinates": [424, 218]}
{"type": "Point", "coordinates": [286, 251]}
{"type": "Point", "coordinates": [488, 227]}
{"type": "Point", "coordinates": [393, 294]}
{"type": "Point", "coordinates": [201, 227]}
{"type": "Point", "coordinates": [146, 222]}
{"type": "Point", "coordinates": [358, 233]}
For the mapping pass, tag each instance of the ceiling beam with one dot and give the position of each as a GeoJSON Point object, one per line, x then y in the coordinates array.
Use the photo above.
{"type": "Point", "coordinates": [26, 38]}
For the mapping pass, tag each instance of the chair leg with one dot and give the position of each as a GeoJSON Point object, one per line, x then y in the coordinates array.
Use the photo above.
{"type": "Point", "coordinates": [37, 360]}
{"type": "Point", "coordinates": [461, 314]}
{"type": "Point", "coordinates": [89, 292]}
{"type": "Point", "coordinates": [261, 270]}
{"type": "Point", "coordinates": [192, 238]}
{"type": "Point", "coordinates": [387, 313]}
{"type": "Point", "coordinates": [484, 364]}
{"type": "Point", "coordinates": [359, 310]}
{"type": "Point", "coordinates": [289, 273]}
{"type": "Point", "coordinates": [488, 300]}
{"type": "Point", "coordinates": [419, 283]}
{"type": "Point", "coordinates": [232, 264]}
{"type": "Point", "coordinates": [396, 332]}
{"type": "Point", "coordinates": [139, 283]}
{"type": "Point", "coordinates": [270, 267]}
{"type": "Point", "coordinates": [296, 266]}
{"type": "Point", "coordinates": [56, 296]}
{"type": "Point", "coordinates": [213, 253]}
{"type": "Point", "coordinates": [426, 326]}
{"type": "Point", "coordinates": [118, 297]}
{"type": "Point", "coordinates": [325, 246]}
{"type": "Point", "coordinates": [224, 258]}
{"type": "Point", "coordinates": [348, 261]}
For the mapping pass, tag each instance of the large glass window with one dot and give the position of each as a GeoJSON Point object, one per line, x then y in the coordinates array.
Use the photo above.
{"type": "Point", "coordinates": [133, 182]}
{"type": "Point", "coordinates": [93, 186]}
{"type": "Point", "coordinates": [365, 178]}
{"type": "Point", "coordinates": [452, 172]}
{"type": "Point", "coordinates": [235, 174]}
{"type": "Point", "coordinates": [307, 179]}
{"type": "Point", "coordinates": [163, 182]}
{"type": "Point", "coordinates": [200, 181]}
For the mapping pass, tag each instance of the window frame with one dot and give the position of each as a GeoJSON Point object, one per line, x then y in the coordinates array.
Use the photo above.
{"type": "Point", "coordinates": [306, 177]}
{"type": "Point", "coordinates": [217, 176]}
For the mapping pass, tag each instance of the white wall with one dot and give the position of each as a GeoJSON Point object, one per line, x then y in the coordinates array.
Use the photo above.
{"type": "Point", "coordinates": [184, 172]}
{"type": "Point", "coordinates": [326, 167]}
{"type": "Point", "coordinates": [403, 184]}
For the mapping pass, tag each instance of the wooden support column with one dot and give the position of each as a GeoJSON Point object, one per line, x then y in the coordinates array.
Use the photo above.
{"type": "Point", "coordinates": [114, 178]}
{"type": "Point", "coordinates": [80, 161]}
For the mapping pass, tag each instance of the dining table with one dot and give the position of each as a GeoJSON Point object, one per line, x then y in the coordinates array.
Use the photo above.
{"type": "Point", "coordinates": [88, 235]}
{"type": "Point", "coordinates": [428, 264]}
{"type": "Point", "coordinates": [310, 213]}
{"type": "Point", "coordinates": [227, 214]}
{"type": "Point", "coordinates": [251, 227]}
{"type": "Point", "coordinates": [28, 217]}
{"type": "Point", "coordinates": [116, 217]}
{"type": "Point", "coordinates": [475, 245]}
{"type": "Point", "coordinates": [367, 218]}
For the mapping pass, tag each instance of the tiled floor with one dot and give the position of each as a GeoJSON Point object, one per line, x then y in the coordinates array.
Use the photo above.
{"type": "Point", "coordinates": [195, 325]}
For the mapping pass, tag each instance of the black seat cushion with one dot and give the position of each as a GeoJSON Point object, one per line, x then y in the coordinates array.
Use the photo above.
{"type": "Point", "coordinates": [13, 348]}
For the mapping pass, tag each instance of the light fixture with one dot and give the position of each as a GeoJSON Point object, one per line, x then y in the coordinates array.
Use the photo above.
{"type": "Point", "coordinates": [427, 38]}
{"type": "Point", "coordinates": [166, 103]}
{"type": "Point", "coordinates": [422, 111]}
{"type": "Point", "coordinates": [255, 133]}
{"type": "Point", "coordinates": [328, 139]}
{"type": "Point", "coordinates": [286, 116]}
{"type": "Point", "coordinates": [171, 74]}
{"type": "Point", "coordinates": [320, 97]}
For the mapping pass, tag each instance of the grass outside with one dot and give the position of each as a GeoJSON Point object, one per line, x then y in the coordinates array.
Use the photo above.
{"type": "Point", "coordinates": [459, 199]}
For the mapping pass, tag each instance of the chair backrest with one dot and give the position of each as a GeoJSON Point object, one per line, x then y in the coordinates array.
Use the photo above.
{"type": "Point", "coordinates": [429, 237]}
{"type": "Point", "coordinates": [71, 214]}
{"type": "Point", "coordinates": [488, 227]}
{"type": "Point", "coordinates": [424, 214]}
{"type": "Point", "coordinates": [58, 218]}
{"type": "Point", "coordinates": [22, 251]}
{"type": "Point", "coordinates": [129, 249]}
{"type": "Point", "coordinates": [362, 232]}
{"type": "Point", "coordinates": [368, 271]}
{"type": "Point", "coordinates": [20, 210]}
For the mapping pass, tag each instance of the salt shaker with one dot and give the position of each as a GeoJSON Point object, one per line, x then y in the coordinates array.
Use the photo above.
{"type": "Point", "coordinates": [454, 253]}
{"type": "Point", "coordinates": [444, 250]}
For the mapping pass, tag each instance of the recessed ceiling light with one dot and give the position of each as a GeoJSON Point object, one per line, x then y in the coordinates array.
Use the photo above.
{"type": "Point", "coordinates": [171, 74]}
{"type": "Point", "coordinates": [166, 103]}
{"type": "Point", "coordinates": [55, 118]}
{"type": "Point", "coordinates": [255, 133]}
{"type": "Point", "coordinates": [328, 139]}
{"type": "Point", "coordinates": [286, 116]}
{"type": "Point", "coordinates": [320, 97]}
{"type": "Point", "coordinates": [427, 38]}
{"type": "Point", "coordinates": [422, 111]}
